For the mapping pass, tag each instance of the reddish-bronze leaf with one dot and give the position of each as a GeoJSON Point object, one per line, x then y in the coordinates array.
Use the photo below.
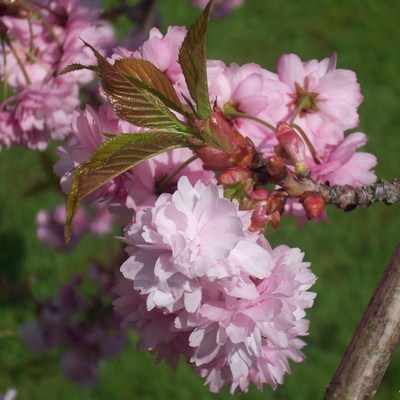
{"type": "Point", "coordinates": [113, 158]}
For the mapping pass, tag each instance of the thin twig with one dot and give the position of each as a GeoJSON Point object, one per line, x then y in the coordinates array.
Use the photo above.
{"type": "Point", "coordinates": [238, 114]}
{"type": "Point", "coordinates": [368, 355]}
{"type": "Point", "coordinates": [19, 61]}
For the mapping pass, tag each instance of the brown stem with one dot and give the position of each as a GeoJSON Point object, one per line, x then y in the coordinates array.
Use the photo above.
{"type": "Point", "coordinates": [19, 61]}
{"type": "Point", "coordinates": [368, 355]}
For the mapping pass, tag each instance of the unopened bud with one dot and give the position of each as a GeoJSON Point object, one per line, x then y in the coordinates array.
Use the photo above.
{"type": "Point", "coordinates": [275, 219]}
{"type": "Point", "coordinates": [214, 159]}
{"type": "Point", "coordinates": [259, 194]}
{"type": "Point", "coordinates": [292, 146]}
{"type": "Point", "coordinates": [221, 134]}
{"type": "Point", "coordinates": [276, 168]}
{"type": "Point", "coordinates": [314, 205]}
{"type": "Point", "coordinates": [276, 202]}
{"type": "Point", "coordinates": [259, 219]}
{"type": "Point", "coordinates": [234, 175]}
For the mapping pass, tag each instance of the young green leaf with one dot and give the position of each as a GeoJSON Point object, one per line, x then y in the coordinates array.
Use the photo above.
{"type": "Point", "coordinates": [193, 60]}
{"type": "Point", "coordinates": [140, 93]}
{"type": "Point", "coordinates": [113, 158]}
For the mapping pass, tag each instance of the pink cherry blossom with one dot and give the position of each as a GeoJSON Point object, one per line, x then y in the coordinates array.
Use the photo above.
{"type": "Point", "coordinates": [163, 50]}
{"type": "Point", "coordinates": [321, 90]}
{"type": "Point", "coordinates": [35, 49]}
{"type": "Point", "coordinates": [193, 235]}
{"type": "Point", "coordinates": [51, 41]}
{"type": "Point", "coordinates": [78, 24]}
{"type": "Point", "coordinates": [344, 165]}
{"type": "Point", "coordinates": [37, 113]}
{"type": "Point", "coordinates": [238, 342]}
{"type": "Point", "coordinates": [222, 298]}
{"type": "Point", "coordinates": [156, 329]}
{"type": "Point", "coordinates": [42, 46]}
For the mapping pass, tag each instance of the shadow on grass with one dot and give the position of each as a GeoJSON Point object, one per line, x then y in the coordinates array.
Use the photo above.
{"type": "Point", "coordinates": [13, 284]}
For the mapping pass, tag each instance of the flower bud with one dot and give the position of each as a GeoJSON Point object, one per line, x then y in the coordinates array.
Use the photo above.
{"type": "Point", "coordinates": [276, 168]}
{"type": "Point", "coordinates": [293, 147]}
{"type": "Point", "coordinates": [259, 194]}
{"type": "Point", "coordinates": [214, 159]}
{"type": "Point", "coordinates": [314, 205]}
{"type": "Point", "coordinates": [276, 202]}
{"type": "Point", "coordinates": [234, 175]}
{"type": "Point", "coordinates": [221, 135]}
{"type": "Point", "coordinates": [275, 219]}
{"type": "Point", "coordinates": [259, 218]}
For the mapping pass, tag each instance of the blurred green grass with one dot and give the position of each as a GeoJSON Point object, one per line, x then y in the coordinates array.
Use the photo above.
{"type": "Point", "coordinates": [348, 253]}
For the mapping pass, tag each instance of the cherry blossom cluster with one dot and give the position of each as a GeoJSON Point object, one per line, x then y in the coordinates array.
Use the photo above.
{"type": "Point", "coordinates": [204, 287]}
{"type": "Point", "coordinates": [39, 39]}
{"type": "Point", "coordinates": [79, 321]}
{"type": "Point", "coordinates": [201, 281]}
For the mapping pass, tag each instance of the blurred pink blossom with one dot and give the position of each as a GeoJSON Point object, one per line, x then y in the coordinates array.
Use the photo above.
{"type": "Point", "coordinates": [41, 104]}
{"type": "Point", "coordinates": [50, 225]}
{"type": "Point", "coordinates": [37, 113]}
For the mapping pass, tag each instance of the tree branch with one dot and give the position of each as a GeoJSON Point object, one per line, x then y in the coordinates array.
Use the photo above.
{"type": "Point", "coordinates": [347, 197]}
{"type": "Point", "coordinates": [376, 337]}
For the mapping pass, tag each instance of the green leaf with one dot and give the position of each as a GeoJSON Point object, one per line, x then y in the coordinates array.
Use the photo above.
{"type": "Point", "coordinates": [193, 60]}
{"type": "Point", "coordinates": [113, 158]}
{"type": "Point", "coordinates": [140, 94]}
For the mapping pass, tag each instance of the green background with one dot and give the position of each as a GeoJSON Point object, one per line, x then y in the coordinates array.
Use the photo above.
{"type": "Point", "coordinates": [348, 253]}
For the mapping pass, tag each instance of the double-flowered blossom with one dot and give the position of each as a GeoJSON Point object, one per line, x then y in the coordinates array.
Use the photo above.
{"type": "Point", "coordinates": [37, 49]}
{"type": "Point", "coordinates": [228, 303]}
{"type": "Point", "coordinates": [37, 111]}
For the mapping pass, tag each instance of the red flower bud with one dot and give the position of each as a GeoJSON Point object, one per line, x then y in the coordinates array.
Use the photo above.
{"type": "Point", "coordinates": [225, 144]}
{"type": "Point", "coordinates": [259, 219]}
{"type": "Point", "coordinates": [259, 194]}
{"type": "Point", "coordinates": [234, 175]}
{"type": "Point", "coordinates": [214, 159]}
{"type": "Point", "coordinates": [292, 146]}
{"type": "Point", "coordinates": [276, 202]}
{"type": "Point", "coordinates": [314, 205]}
{"type": "Point", "coordinates": [276, 168]}
{"type": "Point", "coordinates": [275, 219]}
